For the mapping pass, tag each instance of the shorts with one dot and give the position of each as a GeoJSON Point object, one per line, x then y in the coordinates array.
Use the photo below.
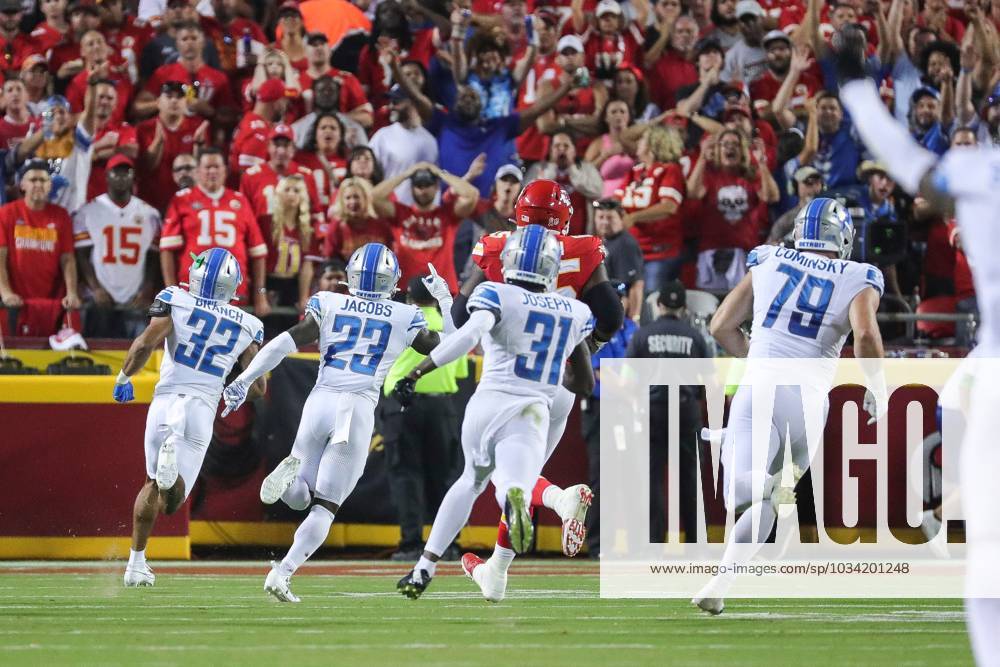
{"type": "Point", "coordinates": [332, 442]}
{"type": "Point", "coordinates": [186, 422]}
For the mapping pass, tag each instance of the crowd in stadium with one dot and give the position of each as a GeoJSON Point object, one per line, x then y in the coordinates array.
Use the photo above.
{"type": "Point", "coordinates": [135, 134]}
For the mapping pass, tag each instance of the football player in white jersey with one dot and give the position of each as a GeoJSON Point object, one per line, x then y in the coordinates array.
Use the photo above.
{"type": "Point", "coordinates": [203, 337]}
{"type": "Point", "coordinates": [360, 336]}
{"type": "Point", "coordinates": [527, 332]}
{"type": "Point", "coordinates": [803, 302]}
{"type": "Point", "coordinates": [965, 182]}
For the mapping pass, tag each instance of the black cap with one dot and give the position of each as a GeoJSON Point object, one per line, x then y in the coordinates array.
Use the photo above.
{"type": "Point", "coordinates": [178, 87]}
{"type": "Point", "coordinates": [708, 44]}
{"type": "Point", "coordinates": [673, 294]}
{"type": "Point", "coordinates": [397, 93]}
{"type": "Point", "coordinates": [423, 177]}
{"type": "Point", "coordinates": [608, 204]}
{"type": "Point", "coordinates": [314, 37]}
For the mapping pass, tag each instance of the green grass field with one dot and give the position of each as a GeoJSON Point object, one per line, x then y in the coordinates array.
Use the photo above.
{"type": "Point", "coordinates": [218, 614]}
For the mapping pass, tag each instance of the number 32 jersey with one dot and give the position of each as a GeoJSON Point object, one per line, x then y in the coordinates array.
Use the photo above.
{"type": "Point", "coordinates": [801, 301]}
{"type": "Point", "coordinates": [360, 339]}
{"type": "Point", "coordinates": [535, 332]}
{"type": "Point", "coordinates": [206, 342]}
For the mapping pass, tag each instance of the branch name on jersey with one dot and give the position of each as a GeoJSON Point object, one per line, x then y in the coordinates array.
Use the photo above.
{"type": "Point", "coordinates": [581, 255]}
{"type": "Point", "coordinates": [360, 339]}
{"type": "Point", "coordinates": [206, 342]}
{"type": "Point", "coordinates": [527, 349]}
{"type": "Point", "coordinates": [801, 301]}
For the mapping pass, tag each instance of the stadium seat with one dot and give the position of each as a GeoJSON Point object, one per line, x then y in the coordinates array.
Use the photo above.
{"type": "Point", "coordinates": [936, 330]}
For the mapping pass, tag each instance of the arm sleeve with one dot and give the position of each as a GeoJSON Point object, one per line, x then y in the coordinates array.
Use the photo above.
{"type": "Point", "coordinates": [607, 309]}
{"type": "Point", "coordinates": [463, 340]}
{"type": "Point", "coordinates": [459, 310]}
{"type": "Point", "coordinates": [269, 356]}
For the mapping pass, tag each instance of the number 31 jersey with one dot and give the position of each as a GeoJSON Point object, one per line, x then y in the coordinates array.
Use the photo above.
{"type": "Point", "coordinates": [360, 339]}
{"type": "Point", "coordinates": [535, 332]}
{"type": "Point", "coordinates": [206, 342]}
{"type": "Point", "coordinates": [801, 301]}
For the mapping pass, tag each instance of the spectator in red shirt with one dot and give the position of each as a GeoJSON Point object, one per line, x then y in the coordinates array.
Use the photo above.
{"type": "Point", "coordinates": [352, 99]}
{"type": "Point", "coordinates": [936, 16]}
{"type": "Point", "coordinates": [53, 27]}
{"type": "Point", "coordinates": [64, 58]}
{"type": "Point", "coordinates": [36, 250]}
{"type": "Point", "coordinates": [651, 200]}
{"type": "Point", "coordinates": [629, 85]}
{"type": "Point", "coordinates": [17, 121]}
{"type": "Point", "coordinates": [362, 163]}
{"type": "Point", "coordinates": [274, 65]}
{"type": "Point", "coordinates": [579, 178]}
{"type": "Point", "coordinates": [126, 35]}
{"type": "Point", "coordinates": [670, 58]}
{"type": "Point", "coordinates": [109, 137]}
{"type": "Point", "coordinates": [15, 44]}
{"type": "Point", "coordinates": [100, 61]}
{"type": "Point", "coordinates": [161, 139]}
{"type": "Point", "coordinates": [614, 41]}
{"type": "Point", "coordinates": [325, 153]}
{"type": "Point", "coordinates": [291, 32]}
{"type": "Point", "coordinates": [249, 145]}
{"type": "Point", "coordinates": [258, 182]}
{"type": "Point", "coordinates": [211, 215]}
{"type": "Point", "coordinates": [425, 232]}
{"type": "Point", "coordinates": [783, 69]}
{"type": "Point", "coordinates": [293, 248]}
{"type": "Point", "coordinates": [353, 222]}
{"type": "Point", "coordinates": [227, 32]}
{"type": "Point", "coordinates": [734, 188]}
{"type": "Point", "coordinates": [211, 90]}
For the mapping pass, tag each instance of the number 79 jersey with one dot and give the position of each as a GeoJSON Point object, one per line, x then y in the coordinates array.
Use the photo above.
{"type": "Point", "coordinates": [802, 301]}
{"type": "Point", "coordinates": [360, 339]}
{"type": "Point", "coordinates": [207, 340]}
{"type": "Point", "coordinates": [535, 332]}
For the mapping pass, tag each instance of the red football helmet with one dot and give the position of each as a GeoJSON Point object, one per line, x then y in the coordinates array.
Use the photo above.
{"type": "Point", "coordinates": [544, 203]}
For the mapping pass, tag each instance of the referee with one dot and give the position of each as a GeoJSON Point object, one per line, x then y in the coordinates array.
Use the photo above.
{"type": "Point", "coordinates": [671, 337]}
{"type": "Point", "coordinates": [421, 444]}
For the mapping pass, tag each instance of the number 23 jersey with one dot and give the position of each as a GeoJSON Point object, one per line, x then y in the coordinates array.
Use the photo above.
{"type": "Point", "coordinates": [802, 301]}
{"type": "Point", "coordinates": [360, 339]}
{"type": "Point", "coordinates": [206, 342]}
{"type": "Point", "coordinates": [526, 350]}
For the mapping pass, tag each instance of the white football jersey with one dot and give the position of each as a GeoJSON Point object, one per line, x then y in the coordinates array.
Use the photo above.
{"type": "Point", "coordinates": [801, 301]}
{"type": "Point", "coordinates": [120, 238]}
{"type": "Point", "coordinates": [527, 349]}
{"type": "Point", "coordinates": [972, 176]}
{"type": "Point", "coordinates": [206, 342]}
{"type": "Point", "coordinates": [360, 339]}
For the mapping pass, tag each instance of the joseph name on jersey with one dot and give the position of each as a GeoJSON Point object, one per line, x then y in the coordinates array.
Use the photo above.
{"type": "Point", "coordinates": [526, 350]}
{"type": "Point", "coordinates": [207, 340]}
{"type": "Point", "coordinates": [801, 301]}
{"type": "Point", "coordinates": [359, 339]}
{"type": "Point", "coordinates": [581, 255]}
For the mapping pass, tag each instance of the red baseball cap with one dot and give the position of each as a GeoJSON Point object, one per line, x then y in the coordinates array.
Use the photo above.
{"type": "Point", "coordinates": [282, 131]}
{"type": "Point", "coordinates": [118, 159]}
{"type": "Point", "coordinates": [271, 90]}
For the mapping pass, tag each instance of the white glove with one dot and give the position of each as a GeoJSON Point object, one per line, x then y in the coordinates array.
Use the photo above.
{"type": "Point", "coordinates": [877, 406]}
{"type": "Point", "coordinates": [234, 395]}
{"type": "Point", "coordinates": [438, 287]}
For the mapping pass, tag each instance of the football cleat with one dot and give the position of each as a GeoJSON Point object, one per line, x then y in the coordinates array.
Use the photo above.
{"type": "Point", "coordinates": [139, 575]}
{"type": "Point", "coordinates": [276, 584]}
{"type": "Point", "coordinates": [492, 584]}
{"type": "Point", "coordinates": [713, 606]}
{"type": "Point", "coordinates": [572, 506]}
{"type": "Point", "coordinates": [279, 480]}
{"type": "Point", "coordinates": [166, 467]}
{"type": "Point", "coordinates": [413, 584]}
{"type": "Point", "coordinates": [519, 525]}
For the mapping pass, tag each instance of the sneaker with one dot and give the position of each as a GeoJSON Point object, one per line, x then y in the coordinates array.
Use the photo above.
{"type": "Point", "coordinates": [519, 525]}
{"type": "Point", "coordinates": [139, 575]}
{"type": "Point", "coordinates": [414, 584]}
{"type": "Point", "coordinates": [166, 467]}
{"type": "Point", "coordinates": [572, 506]}
{"type": "Point", "coordinates": [279, 480]}
{"type": "Point", "coordinates": [492, 584]}
{"type": "Point", "coordinates": [276, 584]}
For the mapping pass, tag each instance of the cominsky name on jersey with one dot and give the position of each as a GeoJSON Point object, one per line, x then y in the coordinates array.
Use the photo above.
{"type": "Point", "coordinates": [812, 262]}
{"type": "Point", "coordinates": [550, 301]}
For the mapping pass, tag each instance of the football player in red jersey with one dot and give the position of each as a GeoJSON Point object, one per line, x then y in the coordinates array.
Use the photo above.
{"type": "Point", "coordinates": [210, 215]}
{"type": "Point", "coordinates": [582, 275]}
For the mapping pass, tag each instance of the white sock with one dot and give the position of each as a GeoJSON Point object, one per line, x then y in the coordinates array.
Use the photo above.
{"type": "Point", "coordinates": [426, 563]}
{"type": "Point", "coordinates": [550, 495]}
{"type": "Point", "coordinates": [136, 558]}
{"type": "Point", "coordinates": [308, 538]}
{"type": "Point", "coordinates": [297, 496]}
{"type": "Point", "coordinates": [452, 514]}
{"type": "Point", "coordinates": [501, 559]}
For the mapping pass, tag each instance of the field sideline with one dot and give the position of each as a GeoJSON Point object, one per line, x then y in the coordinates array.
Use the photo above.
{"type": "Point", "coordinates": [214, 613]}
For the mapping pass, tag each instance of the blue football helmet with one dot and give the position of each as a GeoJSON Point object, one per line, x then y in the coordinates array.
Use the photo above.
{"type": "Point", "coordinates": [372, 272]}
{"type": "Point", "coordinates": [215, 275]}
{"type": "Point", "coordinates": [532, 254]}
{"type": "Point", "coordinates": [824, 224]}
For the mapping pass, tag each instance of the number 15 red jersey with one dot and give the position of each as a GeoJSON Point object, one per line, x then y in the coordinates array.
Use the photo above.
{"type": "Point", "coordinates": [580, 258]}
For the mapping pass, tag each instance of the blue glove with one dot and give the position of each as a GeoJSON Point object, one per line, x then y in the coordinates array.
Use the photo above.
{"type": "Point", "coordinates": [124, 393]}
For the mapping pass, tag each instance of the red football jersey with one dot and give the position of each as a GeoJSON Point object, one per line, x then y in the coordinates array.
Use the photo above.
{"type": "Point", "coordinates": [531, 144]}
{"type": "Point", "coordinates": [258, 183]}
{"type": "Point", "coordinates": [156, 186]}
{"type": "Point", "coordinates": [606, 54]}
{"type": "Point", "coordinates": [765, 89]}
{"type": "Point", "coordinates": [77, 89]}
{"type": "Point", "coordinates": [343, 238]}
{"type": "Point", "coordinates": [324, 186]}
{"type": "Point", "coordinates": [227, 39]}
{"type": "Point", "coordinates": [45, 37]}
{"type": "Point", "coordinates": [352, 95]}
{"type": "Point", "coordinates": [97, 184]}
{"type": "Point", "coordinates": [195, 222]}
{"type": "Point", "coordinates": [35, 242]}
{"type": "Point", "coordinates": [284, 258]}
{"type": "Point", "coordinates": [12, 54]}
{"type": "Point", "coordinates": [211, 84]}
{"type": "Point", "coordinates": [581, 255]}
{"type": "Point", "coordinates": [249, 145]}
{"type": "Point", "coordinates": [426, 236]}
{"type": "Point", "coordinates": [12, 133]}
{"type": "Point", "coordinates": [660, 239]}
